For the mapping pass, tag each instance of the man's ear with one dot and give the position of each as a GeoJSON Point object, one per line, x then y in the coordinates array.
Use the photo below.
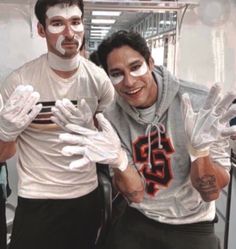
{"type": "Point", "coordinates": [41, 30]}
{"type": "Point", "coordinates": [151, 63]}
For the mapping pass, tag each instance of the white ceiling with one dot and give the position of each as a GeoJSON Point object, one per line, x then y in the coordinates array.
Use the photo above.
{"type": "Point", "coordinates": [132, 11]}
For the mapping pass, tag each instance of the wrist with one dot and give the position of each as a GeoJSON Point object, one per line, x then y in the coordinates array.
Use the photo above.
{"type": "Point", "coordinates": [122, 162]}
{"type": "Point", "coordinates": [195, 154]}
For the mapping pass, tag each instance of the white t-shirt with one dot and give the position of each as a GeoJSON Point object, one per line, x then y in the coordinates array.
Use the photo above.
{"type": "Point", "coordinates": [43, 171]}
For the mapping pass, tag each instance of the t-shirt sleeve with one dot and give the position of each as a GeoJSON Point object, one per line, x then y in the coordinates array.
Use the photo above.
{"type": "Point", "coordinates": [9, 84]}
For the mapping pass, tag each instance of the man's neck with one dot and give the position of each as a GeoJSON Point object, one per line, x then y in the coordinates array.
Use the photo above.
{"type": "Point", "coordinates": [64, 67]}
{"type": "Point", "coordinates": [65, 74]}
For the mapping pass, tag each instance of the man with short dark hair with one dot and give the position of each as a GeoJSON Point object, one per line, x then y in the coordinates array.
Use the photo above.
{"type": "Point", "coordinates": [175, 133]}
{"type": "Point", "coordinates": [58, 207]}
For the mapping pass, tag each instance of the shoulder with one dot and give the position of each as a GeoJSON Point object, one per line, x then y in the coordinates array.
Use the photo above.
{"type": "Point", "coordinates": [21, 75]}
{"type": "Point", "coordinates": [93, 69]}
{"type": "Point", "coordinates": [114, 113]}
{"type": "Point", "coordinates": [112, 110]}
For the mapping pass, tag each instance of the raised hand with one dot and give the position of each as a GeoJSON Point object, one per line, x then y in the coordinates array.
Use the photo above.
{"type": "Point", "coordinates": [66, 113]}
{"type": "Point", "coordinates": [210, 123]}
{"type": "Point", "coordinates": [18, 112]}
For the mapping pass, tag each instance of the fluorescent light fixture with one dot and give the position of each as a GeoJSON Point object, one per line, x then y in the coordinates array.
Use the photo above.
{"type": "Point", "coordinates": [103, 21]}
{"type": "Point", "coordinates": [100, 27]}
{"type": "Point", "coordinates": [106, 13]}
{"type": "Point", "coordinates": [98, 34]}
{"type": "Point", "coordinates": [99, 31]}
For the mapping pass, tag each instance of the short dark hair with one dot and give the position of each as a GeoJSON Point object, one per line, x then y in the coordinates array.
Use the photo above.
{"type": "Point", "coordinates": [119, 39]}
{"type": "Point", "coordinates": [94, 58]}
{"type": "Point", "coordinates": [41, 7]}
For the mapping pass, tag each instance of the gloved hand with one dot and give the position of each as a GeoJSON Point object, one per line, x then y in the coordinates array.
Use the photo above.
{"type": "Point", "coordinates": [210, 123]}
{"type": "Point", "coordinates": [95, 146]}
{"type": "Point", "coordinates": [18, 112]}
{"type": "Point", "coordinates": [66, 113]}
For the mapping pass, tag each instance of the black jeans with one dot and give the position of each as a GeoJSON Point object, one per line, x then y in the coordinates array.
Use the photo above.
{"type": "Point", "coordinates": [136, 231]}
{"type": "Point", "coordinates": [57, 224]}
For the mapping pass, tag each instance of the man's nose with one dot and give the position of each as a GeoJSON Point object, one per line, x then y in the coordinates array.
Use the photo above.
{"type": "Point", "coordinates": [129, 80]}
{"type": "Point", "coordinates": [69, 32]}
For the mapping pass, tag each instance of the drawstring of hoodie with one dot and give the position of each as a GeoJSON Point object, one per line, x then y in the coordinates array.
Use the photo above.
{"type": "Point", "coordinates": [160, 128]}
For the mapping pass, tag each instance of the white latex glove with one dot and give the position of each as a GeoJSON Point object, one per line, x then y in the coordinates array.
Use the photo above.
{"type": "Point", "coordinates": [18, 112]}
{"type": "Point", "coordinates": [66, 113]}
{"type": "Point", "coordinates": [210, 123]}
{"type": "Point", "coordinates": [95, 146]}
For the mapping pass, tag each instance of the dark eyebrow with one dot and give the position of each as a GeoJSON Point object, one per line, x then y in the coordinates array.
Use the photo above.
{"type": "Point", "coordinates": [130, 65]}
{"type": "Point", "coordinates": [56, 19]}
{"type": "Point", "coordinates": [113, 70]}
{"type": "Point", "coordinates": [135, 62]}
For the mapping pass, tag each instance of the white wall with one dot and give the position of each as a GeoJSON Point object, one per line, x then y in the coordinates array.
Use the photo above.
{"type": "Point", "coordinates": [207, 44]}
{"type": "Point", "coordinates": [17, 44]}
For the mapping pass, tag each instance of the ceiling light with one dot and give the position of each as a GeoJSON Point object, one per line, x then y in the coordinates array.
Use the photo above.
{"type": "Point", "coordinates": [106, 13]}
{"type": "Point", "coordinates": [99, 31]}
{"type": "Point", "coordinates": [100, 27]}
{"type": "Point", "coordinates": [103, 21]}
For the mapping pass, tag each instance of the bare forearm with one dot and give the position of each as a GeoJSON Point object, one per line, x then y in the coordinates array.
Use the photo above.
{"type": "Point", "coordinates": [130, 184]}
{"type": "Point", "coordinates": [208, 178]}
{"type": "Point", "coordinates": [7, 150]}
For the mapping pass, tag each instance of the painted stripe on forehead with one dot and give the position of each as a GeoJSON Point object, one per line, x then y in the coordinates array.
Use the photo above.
{"type": "Point", "coordinates": [64, 10]}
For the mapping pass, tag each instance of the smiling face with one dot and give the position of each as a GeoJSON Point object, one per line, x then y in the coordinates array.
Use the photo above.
{"type": "Point", "coordinates": [132, 77]}
{"type": "Point", "coordinates": [64, 30]}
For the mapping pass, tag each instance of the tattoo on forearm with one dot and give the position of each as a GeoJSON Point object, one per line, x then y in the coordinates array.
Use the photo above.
{"type": "Point", "coordinates": [207, 184]}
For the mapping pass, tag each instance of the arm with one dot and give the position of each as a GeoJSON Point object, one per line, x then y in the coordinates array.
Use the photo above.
{"type": "Point", "coordinates": [7, 150]}
{"type": "Point", "coordinates": [208, 178]}
{"type": "Point", "coordinates": [207, 134]}
{"type": "Point", "coordinates": [129, 183]}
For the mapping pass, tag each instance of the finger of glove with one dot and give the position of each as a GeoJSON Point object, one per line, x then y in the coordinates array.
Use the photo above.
{"type": "Point", "coordinates": [105, 125]}
{"type": "Point", "coordinates": [225, 103]}
{"type": "Point", "coordinates": [229, 114]}
{"type": "Point", "coordinates": [59, 116]}
{"type": "Point", "coordinates": [73, 150]}
{"type": "Point", "coordinates": [79, 163]}
{"type": "Point", "coordinates": [229, 131]}
{"type": "Point", "coordinates": [31, 101]}
{"type": "Point", "coordinates": [81, 130]}
{"type": "Point", "coordinates": [74, 139]}
{"type": "Point", "coordinates": [19, 96]}
{"type": "Point", "coordinates": [212, 97]}
{"type": "Point", "coordinates": [23, 108]}
{"type": "Point", "coordinates": [63, 112]}
{"type": "Point", "coordinates": [70, 106]}
{"type": "Point", "coordinates": [186, 105]}
{"type": "Point", "coordinates": [34, 112]}
{"type": "Point", "coordinates": [84, 107]}
{"type": "Point", "coordinates": [59, 123]}
{"type": "Point", "coordinates": [20, 122]}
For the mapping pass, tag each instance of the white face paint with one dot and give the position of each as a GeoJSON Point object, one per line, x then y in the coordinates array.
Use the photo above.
{"type": "Point", "coordinates": [59, 47]}
{"type": "Point", "coordinates": [60, 40]}
{"type": "Point", "coordinates": [139, 72]}
{"type": "Point", "coordinates": [116, 79]}
{"type": "Point", "coordinates": [65, 11]}
{"type": "Point", "coordinates": [58, 29]}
